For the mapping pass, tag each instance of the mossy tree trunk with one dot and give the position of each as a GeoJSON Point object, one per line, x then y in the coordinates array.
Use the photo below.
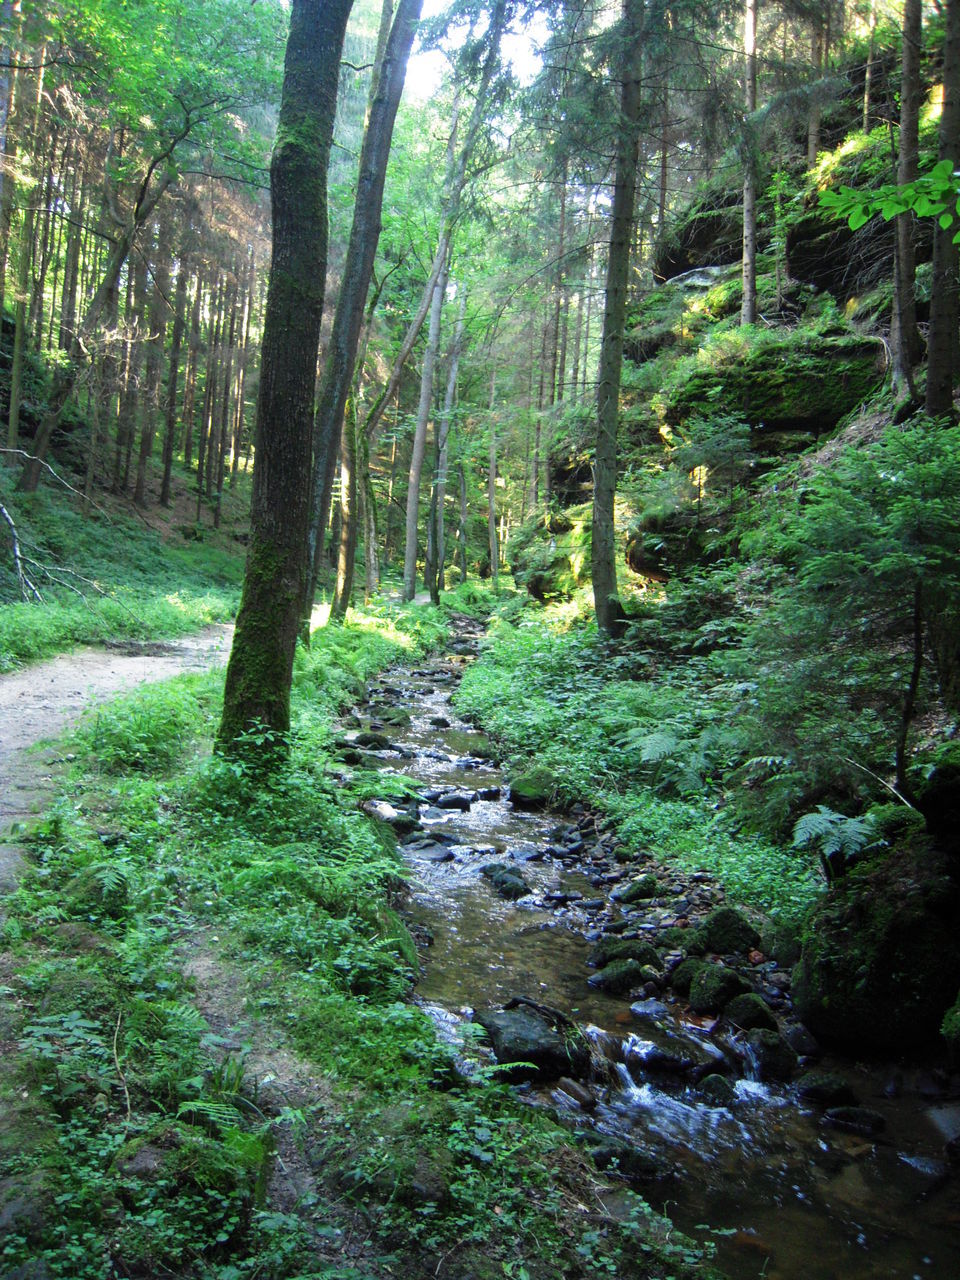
{"type": "Point", "coordinates": [606, 601]}
{"type": "Point", "coordinates": [904, 336]}
{"type": "Point", "coordinates": [259, 673]}
{"type": "Point", "coordinates": [748, 308]}
{"type": "Point", "coordinates": [943, 353]}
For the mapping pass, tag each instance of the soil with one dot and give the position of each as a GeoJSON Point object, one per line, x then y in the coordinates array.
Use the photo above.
{"type": "Point", "coordinates": [40, 701]}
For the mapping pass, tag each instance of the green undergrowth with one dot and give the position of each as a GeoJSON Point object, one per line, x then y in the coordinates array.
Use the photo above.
{"type": "Point", "coordinates": [103, 577]}
{"type": "Point", "coordinates": [646, 743]}
{"type": "Point", "coordinates": [184, 919]}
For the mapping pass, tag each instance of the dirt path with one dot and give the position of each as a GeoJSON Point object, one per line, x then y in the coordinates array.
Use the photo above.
{"type": "Point", "coordinates": [42, 700]}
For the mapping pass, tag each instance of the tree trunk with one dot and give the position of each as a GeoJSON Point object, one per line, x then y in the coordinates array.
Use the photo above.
{"type": "Point", "coordinates": [420, 439]}
{"type": "Point", "coordinates": [347, 549]}
{"type": "Point", "coordinates": [190, 383]}
{"type": "Point", "coordinates": [385, 92]}
{"type": "Point", "coordinates": [173, 378]}
{"type": "Point", "coordinates": [435, 577]}
{"type": "Point", "coordinates": [155, 342]}
{"type": "Point", "coordinates": [871, 59]}
{"type": "Point", "coordinates": [603, 547]}
{"type": "Point", "coordinates": [748, 309]}
{"type": "Point", "coordinates": [942, 353]}
{"type": "Point", "coordinates": [492, 487]}
{"type": "Point", "coordinates": [260, 670]}
{"type": "Point", "coordinates": [904, 336]}
{"type": "Point", "coordinates": [463, 525]}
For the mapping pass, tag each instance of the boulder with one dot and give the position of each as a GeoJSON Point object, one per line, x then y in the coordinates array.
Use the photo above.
{"type": "Point", "coordinates": [506, 880]}
{"type": "Point", "coordinates": [860, 1120]}
{"type": "Point", "coordinates": [532, 1046]}
{"type": "Point", "coordinates": [618, 978]}
{"type": "Point", "coordinates": [880, 964]}
{"type": "Point", "coordinates": [770, 1055]}
{"type": "Point", "coordinates": [609, 949]}
{"type": "Point", "coordinates": [749, 1011]}
{"type": "Point", "coordinates": [826, 1088]}
{"type": "Point", "coordinates": [533, 789]}
{"type": "Point", "coordinates": [636, 890]}
{"type": "Point", "coordinates": [681, 979]}
{"type": "Point", "coordinates": [713, 986]}
{"type": "Point", "coordinates": [727, 930]}
{"type": "Point", "coordinates": [718, 1090]}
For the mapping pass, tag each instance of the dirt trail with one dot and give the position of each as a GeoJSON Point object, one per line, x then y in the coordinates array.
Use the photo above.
{"type": "Point", "coordinates": [42, 700]}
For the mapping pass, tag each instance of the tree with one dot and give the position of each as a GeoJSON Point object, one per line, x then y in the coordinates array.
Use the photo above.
{"type": "Point", "coordinates": [748, 309]}
{"type": "Point", "coordinates": [606, 601]}
{"type": "Point", "coordinates": [259, 673]}
{"type": "Point", "coordinates": [943, 352]}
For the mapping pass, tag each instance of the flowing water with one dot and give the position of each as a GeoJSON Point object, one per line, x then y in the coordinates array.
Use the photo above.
{"type": "Point", "coordinates": [782, 1196]}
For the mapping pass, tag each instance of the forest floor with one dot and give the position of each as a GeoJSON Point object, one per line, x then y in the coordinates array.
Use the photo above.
{"type": "Point", "coordinates": [39, 701]}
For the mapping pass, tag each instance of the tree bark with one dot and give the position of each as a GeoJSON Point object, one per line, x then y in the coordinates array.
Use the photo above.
{"type": "Point", "coordinates": [904, 336]}
{"type": "Point", "coordinates": [156, 334]}
{"type": "Point", "coordinates": [603, 547]}
{"type": "Point", "coordinates": [173, 379]}
{"type": "Point", "coordinates": [492, 487]}
{"type": "Point", "coordinates": [260, 670]}
{"type": "Point", "coordinates": [943, 359]}
{"type": "Point", "coordinates": [435, 574]}
{"type": "Point", "coordinates": [385, 92]}
{"type": "Point", "coordinates": [748, 309]}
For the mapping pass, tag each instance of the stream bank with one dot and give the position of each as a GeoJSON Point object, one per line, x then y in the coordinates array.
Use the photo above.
{"type": "Point", "coordinates": [803, 1165]}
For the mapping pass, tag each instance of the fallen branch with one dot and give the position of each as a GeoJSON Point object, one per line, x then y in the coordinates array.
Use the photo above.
{"type": "Point", "coordinates": [29, 457]}
{"type": "Point", "coordinates": [27, 588]}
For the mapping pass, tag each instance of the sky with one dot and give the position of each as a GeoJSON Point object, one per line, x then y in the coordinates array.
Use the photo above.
{"type": "Point", "coordinates": [426, 68]}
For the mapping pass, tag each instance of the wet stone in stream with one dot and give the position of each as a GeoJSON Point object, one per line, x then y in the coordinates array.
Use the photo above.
{"type": "Point", "coordinates": [666, 1089]}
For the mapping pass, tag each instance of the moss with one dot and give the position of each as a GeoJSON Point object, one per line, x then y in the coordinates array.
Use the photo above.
{"type": "Point", "coordinates": [713, 986]}
{"type": "Point", "coordinates": [638, 890]}
{"type": "Point", "coordinates": [533, 789]}
{"type": "Point", "coordinates": [684, 974]}
{"type": "Point", "coordinates": [881, 954]}
{"type": "Point", "coordinates": [749, 1011]}
{"type": "Point", "coordinates": [618, 978]}
{"type": "Point", "coordinates": [610, 949]}
{"type": "Point", "coordinates": [100, 889]}
{"type": "Point", "coordinates": [773, 1058]}
{"type": "Point", "coordinates": [726, 930]}
{"type": "Point", "coordinates": [950, 1027]}
{"type": "Point", "coordinates": [551, 557]}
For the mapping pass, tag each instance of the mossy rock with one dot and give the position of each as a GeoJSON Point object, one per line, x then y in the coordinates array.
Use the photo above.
{"type": "Point", "coordinates": [506, 880]}
{"type": "Point", "coordinates": [950, 1027]}
{"type": "Point", "coordinates": [749, 1011]}
{"type": "Point", "coordinates": [100, 890]}
{"type": "Point", "coordinates": [826, 1088]}
{"type": "Point", "coordinates": [798, 382]}
{"type": "Point", "coordinates": [718, 1090]}
{"type": "Point", "coordinates": [618, 978]}
{"type": "Point", "coordinates": [781, 941]}
{"type": "Point", "coordinates": [880, 964]}
{"type": "Point", "coordinates": [726, 930]}
{"type": "Point", "coordinates": [714, 986]}
{"type": "Point", "coordinates": [533, 789]}
{"type": "Point", "coordinates": [684, 974]}
{"type": "Point", "coordinates": [772, 1057]}
{"type": "Point", "coordinates": [70, 989]}
{"type": "Point", "coordinates": [551, 557]}
{"type": "Point", "coordinates": [609, 949]}
{"type": "Point", "coordinates": [637, 890]}
{"type": "Point", "coordinates": [27, 1205]}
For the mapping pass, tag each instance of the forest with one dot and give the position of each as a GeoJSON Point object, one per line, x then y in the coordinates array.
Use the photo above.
{"type": "Point", "coordinates": [479, 639]}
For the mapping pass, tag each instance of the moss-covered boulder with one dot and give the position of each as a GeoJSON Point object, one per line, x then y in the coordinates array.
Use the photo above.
{"type": "Point", "coordinates": [682, 978]}
{"type": "Point", "coordinates": [533, 789]}
{"type": "Point", "coordinates": [550, 555]}
{"type": "Point", "coordinates": [880, 964]}
{"type": "Point", "coordinates": [714, 986]}
{"type": "Point", "coordinates": [950, 1027]}
{"type": "Point", "coordinates": [749, 1011]}
{"type": "Point", "coordinates": [770, 1055]}
{"type": "Point", "coordinates": [508, 881]}
{"type": "Point", "coordinates": [618, 978]}
{"type": "Point", "coordinates": [779, 381]}
{"type": "Point", "coordinates": [609, 949]}
{"type": "Point", "coordinates": [639, 890]}
{"type": "Point", "coordinates": [727, 930]}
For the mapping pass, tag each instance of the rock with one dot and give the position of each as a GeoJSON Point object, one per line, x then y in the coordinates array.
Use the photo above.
{"type": "Point", "coordinates": [532, 1046]}
{"type": "Point", "coordinates": [631, 1163]}
{"type": "Point", "coordinates": [800, 1040]}
{"type": "Point", "coordinates": [881, 954]}
{"type": "Point", "coordinates": [488, 793]}
{"type": "Point", "coordinates": [460, 800]}
{"type": "Point", "coordinates": [770, 1055]}
{"type": "Point", "coordinates": [672, 1054]}
{"type": "Point", "coordinates": [726, 930]}
{"type": "Point", "coordinates": [681, 979]}
{"type": "Point", "coordinates": [718, 1090]}
{"type": "Point", "coordinates": [713, 986]}
{"type": "Point", "coordinates": [610, 949]}
{"type": "Point", "coordinates": [649, 1010]}
{"type": "Point", "coordinates": [506, 880]}
{"type": "Point", "coordinates": [618, 977]}
{"type": "Point", "coordinates": [636, 890]}
{"type": "Point", "coordinates": [440, 722]}
{"type": "Point", "coordinates": [860, 1120]}
{"type": "Point", "coordinates": [580, 1094]}
{"type": "Point", "coordinates": [533, 789]}
{"type": "Point", "coordinates": [749, 1011]}
{"type": "Point", "coordinates": [437, 854]}
{"type": "Point", "coordinates": [826, 1088]}
{"type": "Point", "coordinates": [372, 740]}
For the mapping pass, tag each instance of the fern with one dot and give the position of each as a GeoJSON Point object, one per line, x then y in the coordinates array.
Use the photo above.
{"type": "Point", "coordinates": [833, 832]}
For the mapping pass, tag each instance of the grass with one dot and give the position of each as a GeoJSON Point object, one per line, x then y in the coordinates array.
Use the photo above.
{"type": "Point", "coordinates": [106, 577]}
{"type": "Point", "coordinates": [136, 1136]}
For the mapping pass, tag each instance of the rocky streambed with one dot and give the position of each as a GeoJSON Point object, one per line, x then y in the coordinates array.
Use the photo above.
{"type": "Point", "coordinates": [653, 1016]}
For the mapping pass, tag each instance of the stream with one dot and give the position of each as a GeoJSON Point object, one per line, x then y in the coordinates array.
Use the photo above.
{"type": "Point", "coordinates": [755, 1169]}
